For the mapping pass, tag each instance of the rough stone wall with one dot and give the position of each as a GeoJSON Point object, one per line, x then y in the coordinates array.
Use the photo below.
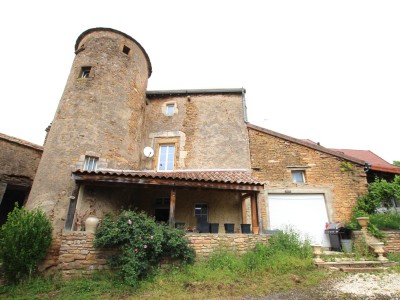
{"type": "Point", "coordinates": [209, 129]}
{"type": "Point", "coordinates": [392, 241]}
{"type": "Point", "coordinates": [78, 256]}
{"type": "Point", "coordinates": [18, 161]}
{"type": "Point", "coordinates": [205, 244]}
{"type": "Point", "coordinates": [271, 156]}
{"type": "Point", "coordinates": [100, 114]}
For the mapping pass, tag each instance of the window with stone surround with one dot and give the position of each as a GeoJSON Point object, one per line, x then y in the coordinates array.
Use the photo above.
{"type": "Point", "coordinates": [169, 109]}
{"type": "Point", "coordinates": [166, 157]}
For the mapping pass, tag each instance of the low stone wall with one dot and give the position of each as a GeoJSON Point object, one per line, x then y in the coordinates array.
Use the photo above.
{"type": "Point", "coordinates": [392, 241]}
{"type": "Point", "coordinates": [73, 252]}
{"type": "Point", "coordinates": [204, 244]}
{"type": "Point", "coordinates": [77, 254]}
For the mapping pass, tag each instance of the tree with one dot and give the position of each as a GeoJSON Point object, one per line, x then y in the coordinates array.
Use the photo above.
{"type": "Point", "coordinates": [396, 163]}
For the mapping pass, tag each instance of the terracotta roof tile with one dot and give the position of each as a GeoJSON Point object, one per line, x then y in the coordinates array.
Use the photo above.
{"type": "Point", "coordinates": [225, 176]}
{"type": "Point", "coordinates": [378, 163]}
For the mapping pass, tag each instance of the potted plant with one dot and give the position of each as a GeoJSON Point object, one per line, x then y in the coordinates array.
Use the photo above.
{"type": "Point", "coordinates": [229, 227]}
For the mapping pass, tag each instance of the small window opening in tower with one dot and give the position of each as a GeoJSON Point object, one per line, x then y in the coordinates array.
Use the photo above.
{"type": "Point", "coordinates": [126, 50]}
{"type": "Point", "coordinates": [90, 163]}
{"type": "Point", "coordinates": [85, 72]}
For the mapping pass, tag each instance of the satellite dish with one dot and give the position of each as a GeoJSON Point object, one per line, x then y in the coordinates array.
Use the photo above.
{"type": "Point", "coordinates": [148, 152]}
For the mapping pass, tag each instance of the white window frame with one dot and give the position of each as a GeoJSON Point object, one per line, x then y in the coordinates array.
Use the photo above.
{"type": "Point", "coordinates": [90, 163]}
{"type": "Point", "coordinates": [163, 166]}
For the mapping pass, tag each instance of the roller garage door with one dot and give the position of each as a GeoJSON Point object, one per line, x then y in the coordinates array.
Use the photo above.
{"type": "Point", "coordinates": [306, 213]}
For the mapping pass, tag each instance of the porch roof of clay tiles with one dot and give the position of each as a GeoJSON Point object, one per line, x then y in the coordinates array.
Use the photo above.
{"type": "Point", "coordinates": [307, 143]}
{"type": "Point", "coordinates": [20, 142]}
{"type": "Point", "coordinates": [216, 179]}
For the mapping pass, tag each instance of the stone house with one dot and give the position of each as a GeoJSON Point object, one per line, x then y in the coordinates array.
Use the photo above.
{"type": "Point", "coordinates": [19, 161]}
{"type": "Point", "coordinates": [186, 157]}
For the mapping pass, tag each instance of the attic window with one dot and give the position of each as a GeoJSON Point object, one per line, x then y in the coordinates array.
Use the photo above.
{"type": "Point", "coordinates": [126, 50]}
{"type": "Point", "coordinates": [85, 72]}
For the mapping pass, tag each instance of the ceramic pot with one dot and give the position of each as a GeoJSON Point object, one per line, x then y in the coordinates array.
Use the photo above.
{"type": "Point", "coordinates": [91, 224]}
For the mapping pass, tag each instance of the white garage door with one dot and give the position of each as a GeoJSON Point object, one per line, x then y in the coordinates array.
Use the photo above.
{"type": "Point", "coordinates": [305, 213]}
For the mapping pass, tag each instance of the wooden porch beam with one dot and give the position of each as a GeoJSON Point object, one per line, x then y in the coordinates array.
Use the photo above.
{"type": "Point", "coordinates": [172, 208]}
{"type": "Point", "coordinates": [254, 214]}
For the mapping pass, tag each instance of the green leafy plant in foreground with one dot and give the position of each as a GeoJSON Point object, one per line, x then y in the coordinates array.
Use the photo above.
{"type": "Point", "coordinates": [142, 244]}
{"type": "Point", "coordinates": [24, 241]}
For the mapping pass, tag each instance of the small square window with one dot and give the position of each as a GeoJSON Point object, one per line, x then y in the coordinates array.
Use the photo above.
{"type": "Point", "coordinates": [85, 72]}
{"type": "Point", "coordinates": [170, 109]}
{"type": "Point", "coordinates": [90, 163]}
{"type": "Point", "coordinates": [126, 50]}
{"type": "Point", "coordinates": [298, 176]}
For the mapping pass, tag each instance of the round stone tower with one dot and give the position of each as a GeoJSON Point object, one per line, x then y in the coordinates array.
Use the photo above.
{"type": "Point", "coordinates": [99, 117]}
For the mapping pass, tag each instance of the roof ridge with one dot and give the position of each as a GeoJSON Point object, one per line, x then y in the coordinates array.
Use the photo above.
{"type": "Point", "coordinates": [20, 141]}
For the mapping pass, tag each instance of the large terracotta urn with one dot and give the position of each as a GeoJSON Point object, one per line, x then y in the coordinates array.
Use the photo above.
{"type": "Point", "coordinates": [91, 224]}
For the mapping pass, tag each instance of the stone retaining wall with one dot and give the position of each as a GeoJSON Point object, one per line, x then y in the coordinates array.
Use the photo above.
{"type": "Point", "coordinates": [204, 244]}
{"type": "Point", "coordinates": [75, 254]}
{"type": "Point", "coordinates": [78, 255]}
{"type": "Point", "coordinates": [393, 241]}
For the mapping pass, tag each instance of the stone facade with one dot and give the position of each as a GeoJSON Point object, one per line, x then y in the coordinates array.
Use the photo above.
{"type": "Point", "coordinates": [274, 155]}
{"type": "Point", "coordinates": [392, 241]}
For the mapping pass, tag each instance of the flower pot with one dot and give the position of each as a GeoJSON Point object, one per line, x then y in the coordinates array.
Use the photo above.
{"type": "Point", "coordinates": [229, 227]}
{"type": "Point", "coordinates": [214, 227]}
{"type": "Point", "coordinates": [363, 221]}
{"type": "Point", "coordinates": [91, 224]}
{"type": "Point", "coordinates": [245, 228]}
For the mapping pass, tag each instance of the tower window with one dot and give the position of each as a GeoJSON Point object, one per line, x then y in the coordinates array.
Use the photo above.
{"type": "Point", "coordinates": [85, 72]}
{"type": "Point", "coordinates": [170, 109]}
{"type": "Point", "coordinates": [90, 163]}
{"type": "Point", "coordinates": [126, 50]}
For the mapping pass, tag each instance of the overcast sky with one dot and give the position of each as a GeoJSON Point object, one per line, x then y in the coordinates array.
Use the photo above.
{"type": "Point", "coordinates": [328, 71]}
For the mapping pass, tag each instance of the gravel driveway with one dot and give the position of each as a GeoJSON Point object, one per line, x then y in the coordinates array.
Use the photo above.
{"type": "Point", "coordinates": [364, 286]}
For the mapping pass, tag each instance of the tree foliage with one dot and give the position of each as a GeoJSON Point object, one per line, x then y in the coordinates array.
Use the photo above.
{"type": "Point", "coordinates": [24, 240]}
{"type": "Point", "coordinates": [396, 163]}
{"type": "Point", "coordinates": [142, 244]}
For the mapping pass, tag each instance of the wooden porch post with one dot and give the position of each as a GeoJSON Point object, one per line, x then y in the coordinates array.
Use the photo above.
{"type": "Point", "coordinates": [244, 211]}
{"type": "Point", "coordinates": [254, 214]}
{"type": "Point", "coordinates": [172, 208]}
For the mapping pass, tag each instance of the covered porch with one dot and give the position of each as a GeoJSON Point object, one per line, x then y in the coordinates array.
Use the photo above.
{"type": "Point", "coordinates": [199, 202]}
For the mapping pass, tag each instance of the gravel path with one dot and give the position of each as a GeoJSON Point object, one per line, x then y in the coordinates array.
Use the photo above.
{"type": "Point", "coordinates": [385, 286]}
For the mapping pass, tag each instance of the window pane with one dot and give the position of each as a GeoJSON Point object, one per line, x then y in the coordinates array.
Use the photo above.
{"type": "Point", "coordinates": [90, 163]}
{"type": "Point", "coordinates": [170, 109]}
{"type": "Point", "coordinates": [298, 176]}
{"type": "Point", "coordinates": [166, 158]}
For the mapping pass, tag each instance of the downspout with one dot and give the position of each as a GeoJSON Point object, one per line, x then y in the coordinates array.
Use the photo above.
{"type": "Point", "coordinates": [244, 107]}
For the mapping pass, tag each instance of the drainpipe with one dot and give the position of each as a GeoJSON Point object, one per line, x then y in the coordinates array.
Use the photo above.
{"type": "Point", "coordinates": [244, 106]}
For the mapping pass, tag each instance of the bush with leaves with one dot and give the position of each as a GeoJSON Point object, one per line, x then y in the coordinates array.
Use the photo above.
{"type": "Point", "coordinates": [142, 244]}
{"type": "Point", "coordinates": [381, 193]}
{"type": "Point", "coordinates": [24, 240]}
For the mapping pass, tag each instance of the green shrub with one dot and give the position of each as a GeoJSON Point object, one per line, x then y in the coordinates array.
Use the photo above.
{"type": "Point", "coordinates": [24, 241]}
{"type": "Point", "coordinates": [142, 243]}
{"type": "Point", "coordinates": [386, 220]}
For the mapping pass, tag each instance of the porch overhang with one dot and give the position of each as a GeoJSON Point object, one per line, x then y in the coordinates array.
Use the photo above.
{"type": "Point", "coordinates": [221, 180]}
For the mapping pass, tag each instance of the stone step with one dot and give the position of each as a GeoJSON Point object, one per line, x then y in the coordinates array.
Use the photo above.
{"type": "Point", "coordinates": [362, 269]}
{"type": "Point", "coordinates": [356, 264]}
